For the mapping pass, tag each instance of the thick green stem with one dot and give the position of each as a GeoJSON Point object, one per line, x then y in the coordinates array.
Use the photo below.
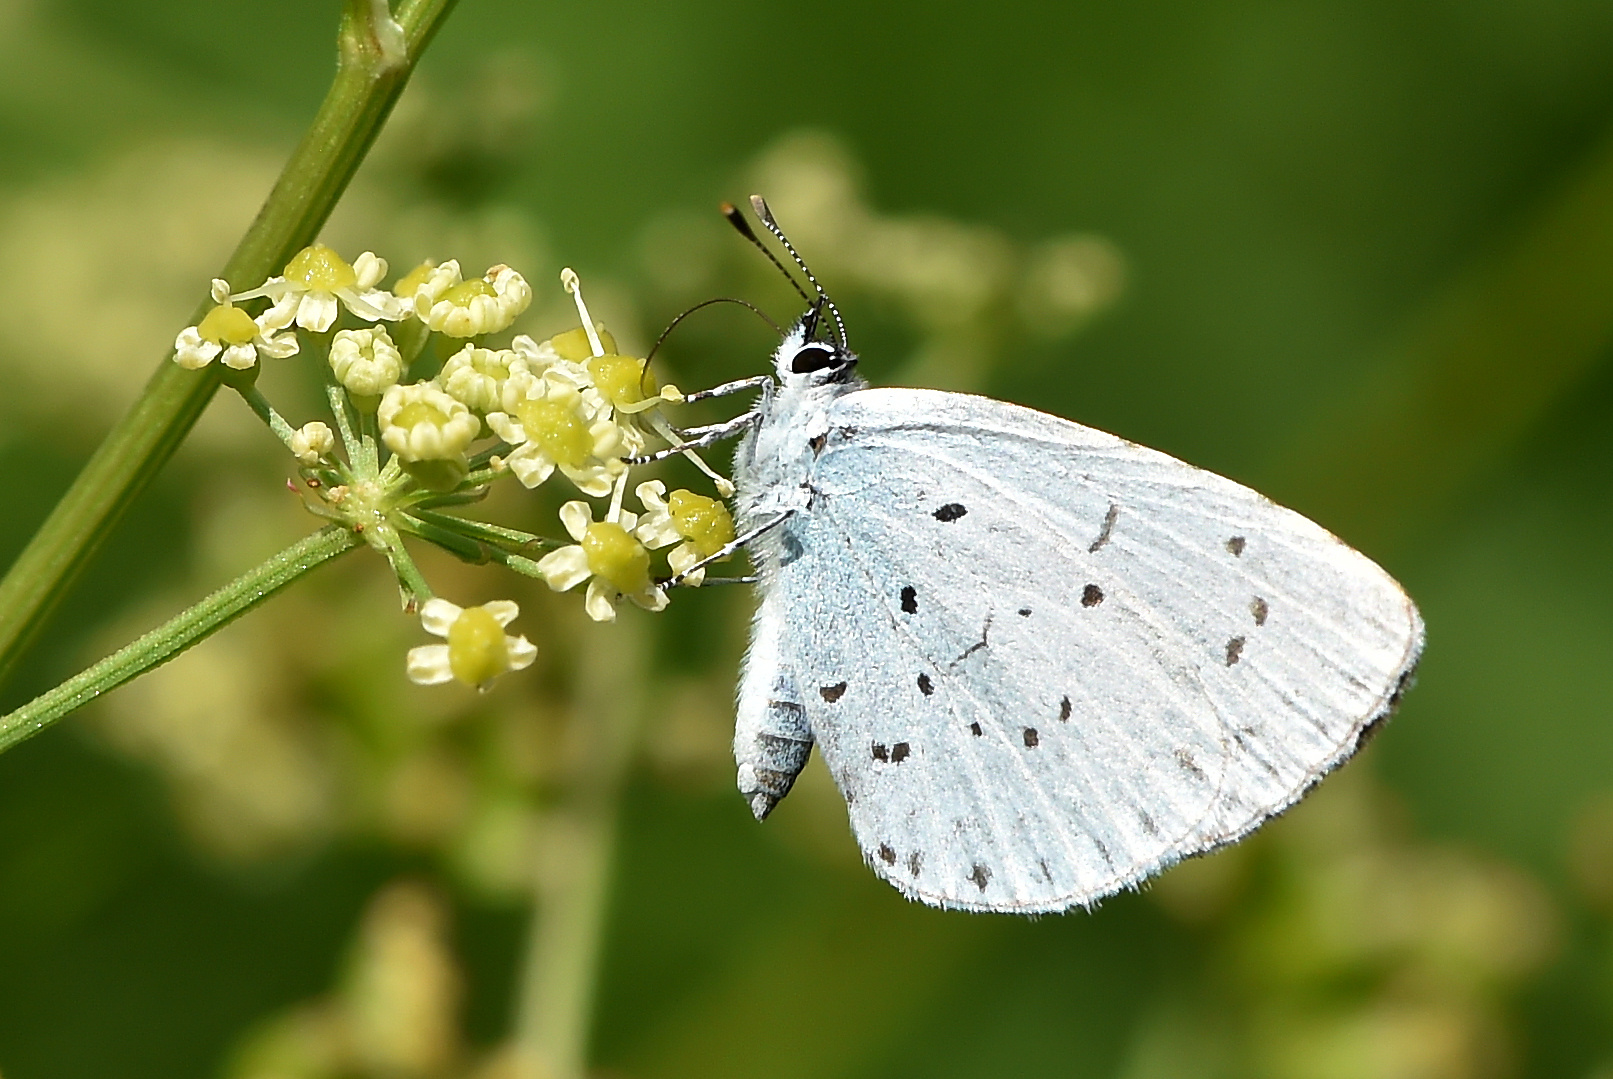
{"type": "Point", "coordinates": [373, 63]}
{"type": "Point", "coordinates": [177, 634]}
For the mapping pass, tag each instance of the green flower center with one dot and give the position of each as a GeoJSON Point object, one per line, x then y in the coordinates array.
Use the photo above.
{"type": "Point", "coordinates": [416, 413]}
{"type": "Point", "coordinates": [228, 325]}
{"type": "Point", "coordinates": [462, 294]}
{"type": "Point", "coordinates": [477, 652]}
{"type": "Point", "coordinates": [320, 269]}
{"type": "Point", "coordinates": [704, 522]}
{"type": "Point", "coordinates": [559, 430]}
{"type": "Point", "coordinates": [413, 279]}
{"type": "Point", "coordinates": [616, 557]}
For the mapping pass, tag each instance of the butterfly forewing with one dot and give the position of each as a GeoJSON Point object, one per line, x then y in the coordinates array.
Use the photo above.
{"type": "Point", "coordinates": [1043, 663]}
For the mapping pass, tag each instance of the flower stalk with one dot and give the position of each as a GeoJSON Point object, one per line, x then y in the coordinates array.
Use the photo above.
{"type": "Point", "coordinates": [377, 51]}
{"type": "Point", "coordinates": [179, 633]}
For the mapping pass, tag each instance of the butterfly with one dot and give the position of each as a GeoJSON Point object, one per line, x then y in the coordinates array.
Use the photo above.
{"type": "Point", "coordinates": [1042, 663]}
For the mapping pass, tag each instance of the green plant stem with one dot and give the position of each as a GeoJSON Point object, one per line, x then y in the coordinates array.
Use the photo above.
{"type": "Point", "coordinates": [177, 634]}
{"type": "Point", "coordinates": [373, 65]}
{"type": "Point", "coordinates": [260, 405]}
{"type": "Point", "coordinates": [571, 893]}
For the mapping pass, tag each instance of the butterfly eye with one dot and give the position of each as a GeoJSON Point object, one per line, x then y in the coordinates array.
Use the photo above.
{"type": "Point", "coordinates": [813, 358]}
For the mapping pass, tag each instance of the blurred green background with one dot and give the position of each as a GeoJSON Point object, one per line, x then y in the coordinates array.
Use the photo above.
{"type": "Point", "coordinates": [1356, 254]}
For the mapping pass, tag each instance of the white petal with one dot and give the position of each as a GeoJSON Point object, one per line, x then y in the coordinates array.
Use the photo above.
{"type": "Point", "coordinates": [564, 569]}
{"type": "Point", "coordinates": [531, 468]}
{"type": "Point", "coordinates": [506, 427]}
{"type": "Point", "coordinates": [279, 346]}
{"type": "Point", "coordinates": [373, 305]}
{"type": "Point", "coordinates": [600, 602]}
{"type": "Point", "coordinates": [316, 311]}
{"type": "Point", "coordinates": [521, 652]}
{"type": "Point", "coordinates": [503, 611]}
{"type": "Point", "coordinates": [220, 291]}
{"type": "Point", "coordinates": [241, 357]}
{"type": "Point", "coordinates": [652, 599]}
{"type": "Point", "coordinates": [657, 530]}
{"type": "Point", "coordinates": [577, 516]}
{"type": "Point", "coordinates": [437, 614]}
{"type": "Point", "coordinates": [370, 268]}
{"type": "Point", "coordinates": [282, 314]}
{"type": "Point", "coordinates": [590, 481]}
{"type": "Point", "coordinates": [427, 665]}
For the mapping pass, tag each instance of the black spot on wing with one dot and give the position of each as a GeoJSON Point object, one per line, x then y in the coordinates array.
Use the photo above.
{"type": "Point", "coordinates": [1032, 739]}
{"type": "Point", "coordinates": [910, 600]}
{"type": "Point", "coordinates": [900, 752]}
{"type": "Point", "coordinates": [1024, 612]}
{"type": "Point", "coordinates": [881, 751]}
{"type": "Point", "coordinates": [1064, 709]}
{"type": "Point", "coordinates": [1259, 609]}
{"type": "Point", "coordinates": [1091, 596]}
{"type": "Point", "coordinates": [926, 687]}
{"type": "Point", "coordinates": [974, 729]}
{"type": "Point", "coordinates": [1147, 822]}
{"type": "Point", "coordinates": [950, 512]}
{"type": "Point", "coordinates": [1236, 545]}
{"type": "Point", "coordinates": [1234, 650]}
{"type": "Point", "coordinates": [832, 693]}
{"type": "Point", "coordinates": [887, 854]}
{"type": "Point", "coordinates": [980, 875]}
{"type": "Point", "coordinates": [817, 442]}
{"type": "Point", "coordinates": [915, 862]}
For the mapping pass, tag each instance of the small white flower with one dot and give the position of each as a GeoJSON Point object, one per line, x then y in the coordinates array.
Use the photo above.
{"type": "Point", "coordinates": [317, 282]}
{"type": "Point", "coordinates": [365, 361]}
{"type": "Point", "coordinates": [478, 649]}
{"type": "Point", "coordinates": [700, 526]}
{"type": "Point", "coordinates": [609, 553]}
{"type": "Point", "coordinates": [457, 307]}
{"type": "Point", "coordinates": [312, 441]}
{"type": "Point", "coordinates": [476, 376]}
{"type": "Point", "coordinates": [230, 332]}
{"type": "Point", "coordinates": [557, 420]}
{"type": "Point", "coordinates": [421, 423]}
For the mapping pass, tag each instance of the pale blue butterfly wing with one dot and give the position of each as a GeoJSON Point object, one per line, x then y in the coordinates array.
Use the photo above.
{"type": "Point", "coordinates": [1043, 663]}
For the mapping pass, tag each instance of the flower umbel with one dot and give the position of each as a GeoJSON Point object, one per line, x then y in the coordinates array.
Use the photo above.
{"type": "Point", "coordinates": [700, 526]}
{"type": "Point", "coordinates": [230, 332]}
{"type": "Point", "coordinates": [609, 553]}
{"type": "Point", "coordinates": [317, 282]}
{"type": "Point", "coordinates": [478, 649]}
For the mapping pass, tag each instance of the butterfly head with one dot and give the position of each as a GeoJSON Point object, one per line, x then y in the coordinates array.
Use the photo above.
{"type": "Point", "coordinates": [804, 358]}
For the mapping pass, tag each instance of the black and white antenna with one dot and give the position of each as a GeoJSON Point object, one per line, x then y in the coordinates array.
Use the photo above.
{"type": "Point", "coordinates": [765, 215]}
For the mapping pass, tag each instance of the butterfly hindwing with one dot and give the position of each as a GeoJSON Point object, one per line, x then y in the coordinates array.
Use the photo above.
{"type": "Point", "coordinates": [1043, 663]}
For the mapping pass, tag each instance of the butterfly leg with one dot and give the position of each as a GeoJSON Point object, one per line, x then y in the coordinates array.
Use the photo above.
{"type": "Point", "coordinates": [729, 548]}
{"type": "Point", "coordinates": [737, 386]}
{"type": "Point", "coordinates": [701, 437]}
